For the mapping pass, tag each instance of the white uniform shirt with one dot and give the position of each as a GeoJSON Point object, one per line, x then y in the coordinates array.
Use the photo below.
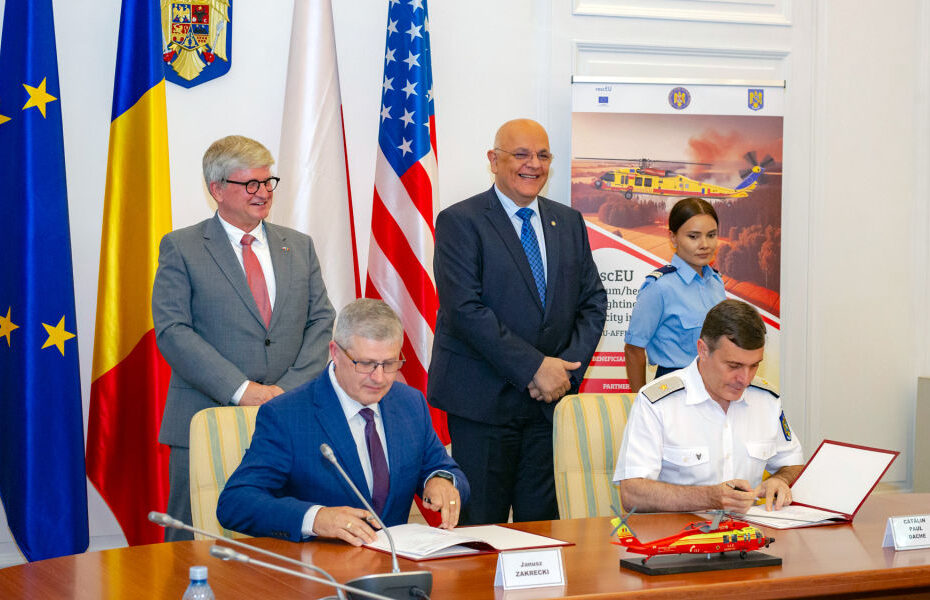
{"type": "Point", "coordinates": [685, 438]}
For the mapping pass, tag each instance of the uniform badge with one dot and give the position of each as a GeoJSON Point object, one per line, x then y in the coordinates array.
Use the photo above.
{"type": "Point", "coordinates": [196, 40]}
{"type": "Point", "coordinates": [784, 426]}
{"type": "Point", "coordinates": [756, 99]}
{"type": "Point", "coordinates": [679, 98]}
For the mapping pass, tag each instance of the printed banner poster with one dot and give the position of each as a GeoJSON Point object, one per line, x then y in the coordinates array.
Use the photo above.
{"type": "Point", "coordinates": [639, 148]}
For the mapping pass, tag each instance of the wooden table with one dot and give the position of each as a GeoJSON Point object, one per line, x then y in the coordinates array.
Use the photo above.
{"type": "Point", "coordinates": [843, 561]}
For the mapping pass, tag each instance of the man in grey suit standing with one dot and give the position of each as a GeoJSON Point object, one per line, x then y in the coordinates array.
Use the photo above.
{"type": "Point", "coordinates": [240, 309]}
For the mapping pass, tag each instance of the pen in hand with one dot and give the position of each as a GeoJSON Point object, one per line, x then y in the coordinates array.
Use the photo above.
{"type": "Point", "coordinates": [733, 486]}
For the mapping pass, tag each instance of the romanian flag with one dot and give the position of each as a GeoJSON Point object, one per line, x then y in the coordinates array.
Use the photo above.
{"type": "Point", "coordinates": [42, 481]}
{"type": "Point", "coordinates": [130, 378]}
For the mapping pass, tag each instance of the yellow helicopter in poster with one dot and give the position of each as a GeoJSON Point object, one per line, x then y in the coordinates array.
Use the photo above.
{"type": "Point", "coordinates": [643, 177]}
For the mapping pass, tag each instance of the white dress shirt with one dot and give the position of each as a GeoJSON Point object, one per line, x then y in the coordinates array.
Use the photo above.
{"type": "Point", "coordinates": [356, 422]}
{"type": "Point", "coordinates": [263, 254]}
{"type": "Point", "coordinates": [511, 208]}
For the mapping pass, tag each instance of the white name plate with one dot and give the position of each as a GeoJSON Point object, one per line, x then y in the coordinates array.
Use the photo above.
{"type": "Point", "coordinates": [529, 568]}
{"type": "Point", "coordinates": [907, 533]}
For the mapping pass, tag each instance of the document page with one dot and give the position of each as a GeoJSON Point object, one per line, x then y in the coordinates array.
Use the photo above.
{"type": "Point", "coordinates": [417, 541]}
{"type": "Point", "coordinates": [505, 538]}
{"type": "Point", "coordinates": [791, 516]}
{"type": "Point", "coordinates": [839, 477]}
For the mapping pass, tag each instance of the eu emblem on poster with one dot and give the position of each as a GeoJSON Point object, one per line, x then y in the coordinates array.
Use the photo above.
{"type": "Point", "coordinates": [196, 40]}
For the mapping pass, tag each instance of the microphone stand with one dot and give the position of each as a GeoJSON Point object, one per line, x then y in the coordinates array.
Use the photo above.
{"type": "Point", "coordinates": [397, 585]}
{"type": "Point", "coordinates": [166, 520]}
{"type": "Point", "coordinates": [230, 554]}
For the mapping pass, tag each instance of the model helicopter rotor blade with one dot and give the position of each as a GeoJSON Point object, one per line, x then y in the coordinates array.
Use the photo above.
{"type": "Point", "coordinates": [623, 519]}
{"type": "Point", "coordinates": [767, 161]}
{"type": "Point", "coordinates": [715, 523]}
{"type": "Point", "coordinates": [751, 158]}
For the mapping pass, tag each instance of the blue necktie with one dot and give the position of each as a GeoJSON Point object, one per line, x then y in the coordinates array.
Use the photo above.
{"type": "Point", "coordinates": [531, 248]}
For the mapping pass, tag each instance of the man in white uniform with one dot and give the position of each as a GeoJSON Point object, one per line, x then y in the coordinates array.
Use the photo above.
{"type": "Point", "coordinates": [701, 437]}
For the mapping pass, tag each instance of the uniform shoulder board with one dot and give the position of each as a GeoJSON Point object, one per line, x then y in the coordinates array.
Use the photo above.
{"type": "Point", "coordinates": [764, 384]}
{"type": "Point", "coordinates": [662, 271]}
{"type": "Point", "coordinates": [661, 388]}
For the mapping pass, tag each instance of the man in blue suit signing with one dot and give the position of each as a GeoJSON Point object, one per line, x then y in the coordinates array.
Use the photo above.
{"type": "Point", "coordinates": [380, 431]}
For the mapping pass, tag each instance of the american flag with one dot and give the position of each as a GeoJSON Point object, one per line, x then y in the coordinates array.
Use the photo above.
{"type": "Point", "coordinates": [400, 259]}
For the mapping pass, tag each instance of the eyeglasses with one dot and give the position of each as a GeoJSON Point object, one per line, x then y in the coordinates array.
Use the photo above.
{"type": "Point", "coordinates": [367, 367]}
{"type": "Point", "coordinates": [523, 155]}
{"type": "Point", "coordinates": [251, 186]}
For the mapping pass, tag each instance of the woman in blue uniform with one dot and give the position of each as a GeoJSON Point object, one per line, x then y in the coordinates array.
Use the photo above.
{"type": "Point", "coordinates": [673, 301]}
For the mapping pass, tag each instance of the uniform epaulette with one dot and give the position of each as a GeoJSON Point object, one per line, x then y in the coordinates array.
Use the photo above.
{"type": "Point", "coordinates": [662, 271]}
{"type": "Point", "coordinates": [763, 384]}
{"type": "Point", "coordinates": [661, 388]}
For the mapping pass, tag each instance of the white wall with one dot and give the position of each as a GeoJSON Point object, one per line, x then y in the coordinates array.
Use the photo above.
{"type": "Point", "coordinates": [855, 252]}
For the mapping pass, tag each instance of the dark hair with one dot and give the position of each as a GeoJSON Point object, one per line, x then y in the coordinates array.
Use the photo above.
{"type": "Point", "coordinates": [738, 321]}
{"type": "Point", "coordinates": [686, 208]}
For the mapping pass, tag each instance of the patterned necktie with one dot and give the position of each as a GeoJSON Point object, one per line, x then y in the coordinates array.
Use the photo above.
{"type": "Point", "coordinates": [256, 279]}
{"type": "Point", "coordinates": [380, 483]}
{"type": "Point", "coordinates": [531, 248]}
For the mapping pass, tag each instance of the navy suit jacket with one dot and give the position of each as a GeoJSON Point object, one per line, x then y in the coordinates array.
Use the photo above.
{"type": "Point", "coordinates": [492, 332]}
{"type": "Point", "coordinates": [283, 472]}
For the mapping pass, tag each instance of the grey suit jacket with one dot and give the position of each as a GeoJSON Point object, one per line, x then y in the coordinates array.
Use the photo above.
{"type": "Point", "coordinates": [208, 327]}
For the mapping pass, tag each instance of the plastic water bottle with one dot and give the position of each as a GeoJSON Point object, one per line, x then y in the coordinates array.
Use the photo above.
{"type": "Point", "coordinates": [198, 589]}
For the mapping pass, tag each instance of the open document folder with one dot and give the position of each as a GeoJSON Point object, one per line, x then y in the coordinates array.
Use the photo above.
{"type": "Point", "coordinates": [832, 487]}
{"type": "Point", "coordinates": [420, 542]}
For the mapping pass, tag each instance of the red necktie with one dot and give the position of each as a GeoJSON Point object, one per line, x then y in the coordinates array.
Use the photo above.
{"type": "Point", "coordinates": [256, 278]}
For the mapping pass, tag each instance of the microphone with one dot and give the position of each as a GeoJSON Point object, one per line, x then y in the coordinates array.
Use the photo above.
{"type": "Point", "coordinates": [230, 554]}
{"type": "Point", "coordinates": [397, 585]}
{"type": "Point", "coordinates": [166, 520]}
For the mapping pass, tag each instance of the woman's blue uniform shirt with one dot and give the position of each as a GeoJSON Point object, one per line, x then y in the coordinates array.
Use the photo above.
{"type": "Point", "coordinates": [670, 311]}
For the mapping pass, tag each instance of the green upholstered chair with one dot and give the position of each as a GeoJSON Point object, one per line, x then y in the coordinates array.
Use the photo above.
{"type": "Point", "coordinates": [587, 431]}
{"type": "Point", "coordinates": [218, 440]}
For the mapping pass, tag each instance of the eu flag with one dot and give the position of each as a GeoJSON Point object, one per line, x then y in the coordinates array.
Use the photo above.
{"type": "Point", "coordinates": [42, 479]}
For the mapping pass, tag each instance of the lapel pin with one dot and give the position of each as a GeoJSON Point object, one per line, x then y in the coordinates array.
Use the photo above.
{"type": "Point", "coordinates": [285, 249]}
{"type": "Point", "coordinates": [552, 223]}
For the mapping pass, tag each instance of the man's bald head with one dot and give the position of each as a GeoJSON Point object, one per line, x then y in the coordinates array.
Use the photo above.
{"type": "Point", "coordinates": [517, 127]}
{"type": "Point", "coordinates": [520, 160]}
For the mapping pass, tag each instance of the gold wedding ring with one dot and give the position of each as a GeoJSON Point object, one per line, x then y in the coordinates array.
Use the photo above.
{"type": "Point", "coordinates": [349, 525]}
{"type": "Point", "coordinates": [451, 502]}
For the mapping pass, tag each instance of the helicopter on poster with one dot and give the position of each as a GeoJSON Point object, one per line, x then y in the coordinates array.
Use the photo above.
{"type": "Point", "coordinates": [642, 176]}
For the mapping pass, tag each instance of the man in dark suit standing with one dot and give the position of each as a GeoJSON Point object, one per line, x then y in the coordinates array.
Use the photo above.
{"type": "Point", "coordinates": [379, 430]}
{"type": "Point", "coordinates": [521, 310]}
{"type": "Point", "coordinates": [240, 308]}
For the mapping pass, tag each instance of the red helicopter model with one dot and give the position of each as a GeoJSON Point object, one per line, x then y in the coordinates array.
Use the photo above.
{"type": "Point", "coordinates": [721, 534]}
